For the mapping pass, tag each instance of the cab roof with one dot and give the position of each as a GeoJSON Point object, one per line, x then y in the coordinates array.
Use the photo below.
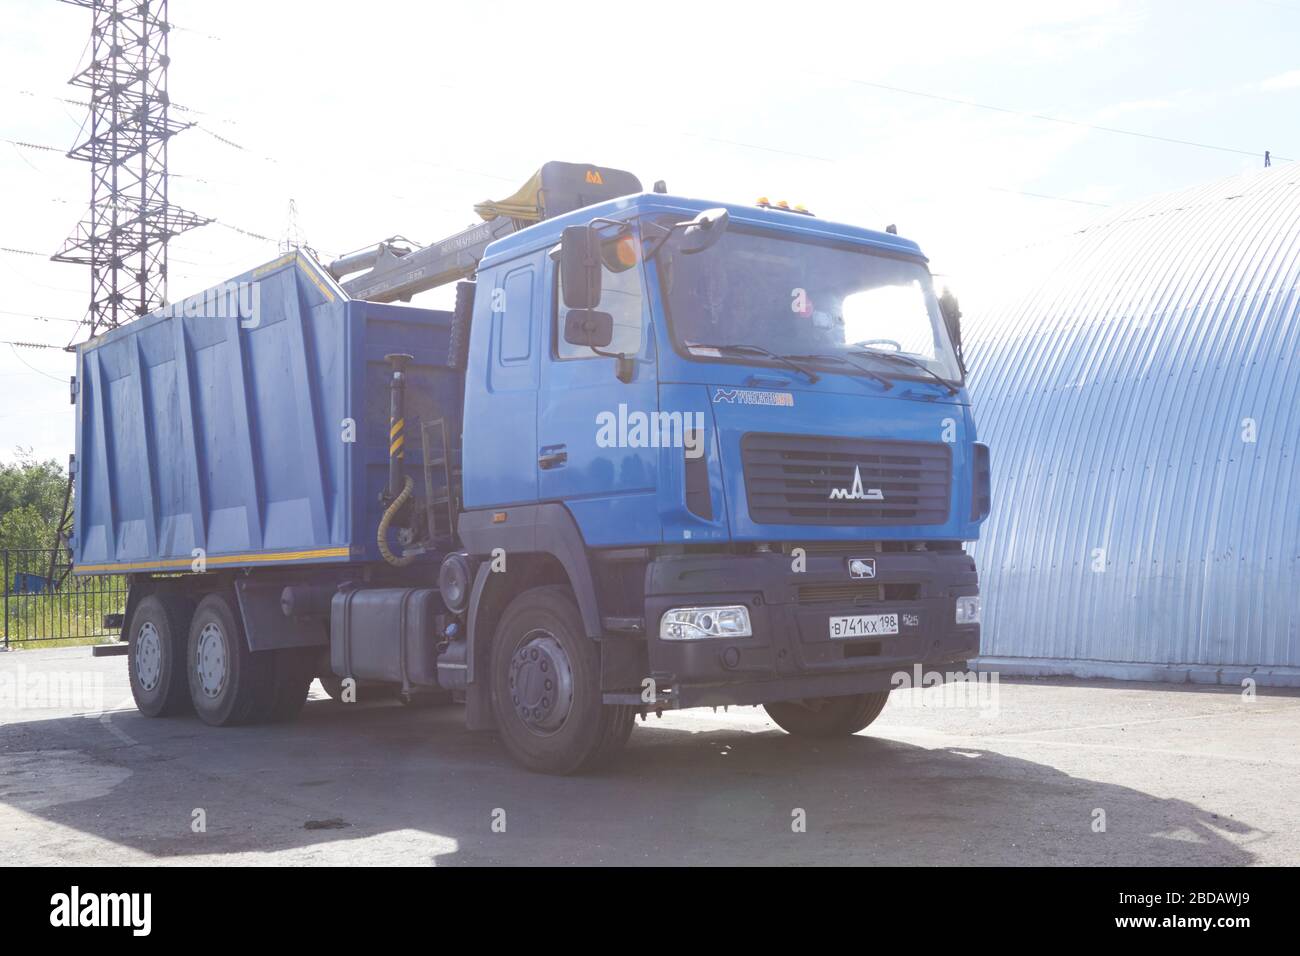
{"type": "Point", "coordinates": [547, 232]}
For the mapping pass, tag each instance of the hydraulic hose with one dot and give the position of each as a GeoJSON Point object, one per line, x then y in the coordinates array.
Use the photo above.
{"type": "Point", "coordinates": [397, 561]}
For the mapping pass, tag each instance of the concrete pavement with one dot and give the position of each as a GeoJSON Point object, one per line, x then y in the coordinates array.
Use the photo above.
{"type": "Point", "coordinates": [1178, 775]}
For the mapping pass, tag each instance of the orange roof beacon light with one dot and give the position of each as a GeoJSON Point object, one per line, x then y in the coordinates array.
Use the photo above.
{"type": "Point", "coordinates": [626, 251]}
{"type": "Point", "coordinates": [764, 203]}
{"type": "Point", "coordinates": [620, 253]}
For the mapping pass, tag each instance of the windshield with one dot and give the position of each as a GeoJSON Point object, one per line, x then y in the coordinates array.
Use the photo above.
{"type": "Point", "coordinates": [810, 300]}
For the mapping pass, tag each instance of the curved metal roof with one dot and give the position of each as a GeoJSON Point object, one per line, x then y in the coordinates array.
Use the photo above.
{"type": "Point", "coordinates": [1135, 521]}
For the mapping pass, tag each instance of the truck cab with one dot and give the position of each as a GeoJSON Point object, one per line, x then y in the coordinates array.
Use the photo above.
{"type": "Point", "coordinates": [738, 440]}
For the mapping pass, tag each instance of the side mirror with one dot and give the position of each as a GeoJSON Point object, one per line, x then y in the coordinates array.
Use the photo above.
{"type": "Point", "coordinates": [588, 327]}
{"type": "Point", "coordinates": [580, 268]}
{"type": "Point", "coordinates": [704, 230]}
{"type": "Point", "coordinates": [951, 317]}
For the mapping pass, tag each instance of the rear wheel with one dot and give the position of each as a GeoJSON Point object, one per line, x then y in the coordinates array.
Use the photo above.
{"type": "Point", "coordinates": [546, 687]}
{"type": "Point", "coordinates": [156, 654]}
{"type": "Point", "coordinates": [229, 684]}
{"type": "Point", "coordinates": [827, 716]}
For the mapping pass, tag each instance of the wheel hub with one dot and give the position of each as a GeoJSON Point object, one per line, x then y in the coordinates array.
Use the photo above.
{"type": "Point", "coordinates": [212, 660]}
{"type": "Point", "coordinates": [541, 682]}
{"type": "Point", "coordinates": [148, 656]}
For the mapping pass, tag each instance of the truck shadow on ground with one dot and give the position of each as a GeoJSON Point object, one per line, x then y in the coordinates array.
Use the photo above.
{"type": "Point", "coordinates": [385, 784]}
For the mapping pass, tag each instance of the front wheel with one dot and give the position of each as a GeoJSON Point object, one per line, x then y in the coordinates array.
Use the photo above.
{"type": "Point", "coordinates": [827, 716]}
{"type": "Point", "coordinates": [546, 687]}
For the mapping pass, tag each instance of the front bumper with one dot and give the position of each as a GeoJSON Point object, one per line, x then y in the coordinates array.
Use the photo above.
{"type": "Point", "coordinates": [791, 654]}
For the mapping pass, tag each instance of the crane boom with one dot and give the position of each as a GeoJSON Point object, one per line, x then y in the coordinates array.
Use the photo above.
{"type": "Point", "coordinates": [393, 271]}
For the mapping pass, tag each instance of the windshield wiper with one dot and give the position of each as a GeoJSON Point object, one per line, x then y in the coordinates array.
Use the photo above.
{"type": "Point", "coordinates": [875, 376]}
{"type": "Point", "coordinates": [906, 360]}
{"type": "Point", "coordinates": [758, 350]}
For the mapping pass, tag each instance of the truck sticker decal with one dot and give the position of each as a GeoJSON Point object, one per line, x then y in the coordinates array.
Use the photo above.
{"type": "Point", "coordinates": [746, 396]}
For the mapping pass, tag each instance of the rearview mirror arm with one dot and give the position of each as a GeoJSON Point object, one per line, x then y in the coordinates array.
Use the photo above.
{"type": "Point", "coordinates": [624, 364]}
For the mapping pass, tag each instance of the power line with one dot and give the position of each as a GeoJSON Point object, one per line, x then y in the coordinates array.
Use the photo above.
{"type": "Point", "coordinates": [14, 346]}
{"type": "Point", "coordinates": [246, 232]}
{"type": "Point", "coordinates": [756, 146]}
{"type": "Point", "coordinates": [1021, 192]}
{"type": "Point", "coordinates": [85, 104]}
{"type": "Point", "coordinates": [760, 147]}
{"type": "Point", "coordinates": [232, 144]}
{"type": "Point", "coordinates": [32, 345]}
{"type": "Point", "coordinates": [60, 99]}
{"type": "Point", "coordinates": [44, 318]}
{"type": "Point", "coordinates": [1045, 117]}
{"type": "Point", "coordinates": [25, 145]}
{"type": "Point", "coordinates": [198, 33]}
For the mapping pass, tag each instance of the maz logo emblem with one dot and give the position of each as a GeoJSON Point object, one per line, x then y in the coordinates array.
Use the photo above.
{"type": "Point", "coordinates": [856, 493]}
{"type": "Point", "coordinates": [860, 568]}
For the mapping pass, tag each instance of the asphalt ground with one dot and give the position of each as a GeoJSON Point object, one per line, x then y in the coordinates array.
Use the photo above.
{"type": "Point", "coordinates": [1021, 772]}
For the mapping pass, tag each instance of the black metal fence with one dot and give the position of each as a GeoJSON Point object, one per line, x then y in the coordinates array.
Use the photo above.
{"type": "Point", "coordinates": [44, 602]}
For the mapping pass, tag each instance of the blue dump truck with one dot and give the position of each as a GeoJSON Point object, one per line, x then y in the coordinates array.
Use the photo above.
{"type": "Point", "coordinates": [661, 454]}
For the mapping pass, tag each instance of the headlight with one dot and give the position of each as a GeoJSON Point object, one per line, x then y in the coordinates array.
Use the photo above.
{"type": "Point", "coordinates": [694, 623]}
{"type": "Point", "coordinates": [968, 610]}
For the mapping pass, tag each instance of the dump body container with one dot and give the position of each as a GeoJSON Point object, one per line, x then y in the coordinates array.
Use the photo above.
{"type": "Point", "coordinates": [248, 425]}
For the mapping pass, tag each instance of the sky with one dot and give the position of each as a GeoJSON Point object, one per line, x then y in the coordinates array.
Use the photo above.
{"type": "Point", "coordinates": [970, 126]}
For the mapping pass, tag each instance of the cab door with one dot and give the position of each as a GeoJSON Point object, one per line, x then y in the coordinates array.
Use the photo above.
{"type": "Point", "coordinates": [500, 428]}
{"type": "Point", "coordinates": [591, 455]}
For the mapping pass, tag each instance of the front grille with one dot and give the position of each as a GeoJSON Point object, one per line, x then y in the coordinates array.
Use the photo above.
{"type": "Point", "coordinates": [855, 592]}
{"type": "Point", "coordinates": [803, 479]}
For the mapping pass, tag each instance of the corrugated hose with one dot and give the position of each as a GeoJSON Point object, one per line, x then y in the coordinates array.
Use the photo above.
{"type": "Point", "coordinates": [389, 514]}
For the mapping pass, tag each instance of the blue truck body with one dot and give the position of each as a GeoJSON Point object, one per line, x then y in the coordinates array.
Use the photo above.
{"type": "Point", "coordinates": [309, 484]}
{"type": "Point", "coordinates": [221, 435]}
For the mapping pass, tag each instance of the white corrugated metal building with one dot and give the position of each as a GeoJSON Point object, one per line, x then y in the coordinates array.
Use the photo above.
{"type": "Point", "coordinates": [1140, 388]}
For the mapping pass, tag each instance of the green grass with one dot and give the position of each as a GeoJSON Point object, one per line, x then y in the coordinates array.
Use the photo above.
{"type": "Point", "coordinates": [72, 616]}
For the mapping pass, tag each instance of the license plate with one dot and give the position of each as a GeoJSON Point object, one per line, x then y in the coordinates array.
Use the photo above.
{"type": "Point", "coordinates": [864, 625]}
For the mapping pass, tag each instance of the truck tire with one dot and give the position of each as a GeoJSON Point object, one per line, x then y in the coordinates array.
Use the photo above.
{"type": "Point", "coordinates": [156, 655]}
{"type": "Point", "coordinates": [546, 687]}
{"type": "Point", "coordinates": [827, 716]}
{"type": "Point", "coordinates": [228, 682]}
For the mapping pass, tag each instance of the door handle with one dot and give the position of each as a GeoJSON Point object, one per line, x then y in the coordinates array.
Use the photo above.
{"type": "Point", "coordinates": [551, 456]}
